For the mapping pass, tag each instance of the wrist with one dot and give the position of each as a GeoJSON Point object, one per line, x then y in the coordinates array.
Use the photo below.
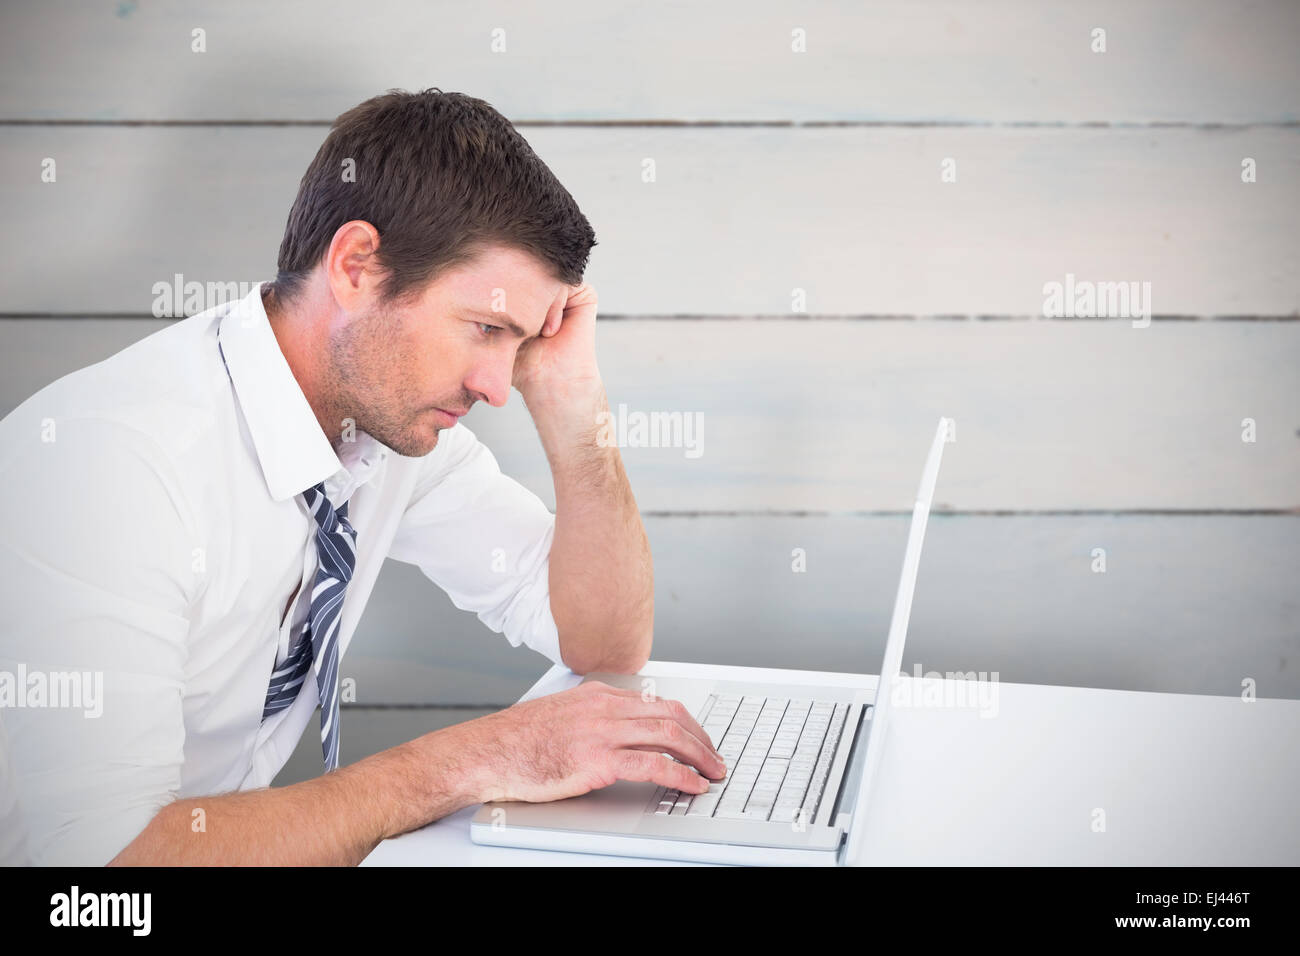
{"type": "Point", "coordinates": [573, 392]}
{"type": "Point", "coordinates": [482, 768]}
{"type": "Point", "coordinates": [432, 776]}
{"type": "Point", "coordinates": [569, 421]}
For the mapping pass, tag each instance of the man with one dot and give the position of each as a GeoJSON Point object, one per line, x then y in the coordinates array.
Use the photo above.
{"type": "Point", "coordinates": [196, 522]}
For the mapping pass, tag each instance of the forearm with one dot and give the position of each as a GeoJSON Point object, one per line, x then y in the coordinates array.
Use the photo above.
{"type": "Point", "coordinates": [601, 569]}
{"type": "Point", "coordinates": [333, 820]}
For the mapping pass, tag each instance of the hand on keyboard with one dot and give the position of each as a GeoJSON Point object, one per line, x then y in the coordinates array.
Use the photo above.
{"type": "Point", "coordinates": [586, 738]}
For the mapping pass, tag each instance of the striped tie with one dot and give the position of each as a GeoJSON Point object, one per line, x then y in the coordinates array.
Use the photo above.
{"type": "Point", "coordinates": [317, 647]}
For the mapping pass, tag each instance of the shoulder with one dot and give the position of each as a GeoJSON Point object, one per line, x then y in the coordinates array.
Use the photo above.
{"type": "Point", "coordinates": [161, 390]}
{"type": "Point", "coordinates": [129, 430]}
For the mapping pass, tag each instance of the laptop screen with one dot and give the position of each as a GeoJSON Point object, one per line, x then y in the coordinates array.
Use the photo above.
{"type": "Point", "coordinates": [893, 660]}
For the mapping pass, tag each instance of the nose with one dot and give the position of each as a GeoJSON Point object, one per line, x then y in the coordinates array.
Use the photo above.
{"type": "Point", "coordinates": [491, 379]}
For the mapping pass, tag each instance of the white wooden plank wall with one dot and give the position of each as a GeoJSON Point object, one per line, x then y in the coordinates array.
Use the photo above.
{"type": "Point", "coordinates": [799, 282]}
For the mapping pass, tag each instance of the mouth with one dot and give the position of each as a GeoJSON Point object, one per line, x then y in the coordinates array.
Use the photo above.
{"type": "Point", "coordinates": [451, 417]}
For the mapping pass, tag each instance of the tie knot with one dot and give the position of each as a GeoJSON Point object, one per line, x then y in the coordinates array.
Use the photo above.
{"type": "Point", "coordinates": [330, 519]}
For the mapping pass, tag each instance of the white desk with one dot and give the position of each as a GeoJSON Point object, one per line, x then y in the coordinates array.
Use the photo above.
{"type": "Point", "coordinates": [1183, 780]}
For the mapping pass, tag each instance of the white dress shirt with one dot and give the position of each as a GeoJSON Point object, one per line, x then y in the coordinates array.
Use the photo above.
{"type": "Point", "coordinates": [154, 534]}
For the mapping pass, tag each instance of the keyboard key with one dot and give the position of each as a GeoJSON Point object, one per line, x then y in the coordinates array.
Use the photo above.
{"type": "Point", "coordinates": [778, 753]}
{"type": "Point", "coordinates": [702, 806]}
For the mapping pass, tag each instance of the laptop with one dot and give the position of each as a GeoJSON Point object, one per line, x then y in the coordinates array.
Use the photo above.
{"type": "Point", "coordinates": [801, 760]}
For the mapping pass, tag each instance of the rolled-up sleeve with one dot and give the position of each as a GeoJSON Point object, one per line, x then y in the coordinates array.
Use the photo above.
{"type": "Point", "coordinates": [98, 564]}
{"type": "Point", "coordinates": [484, 539]}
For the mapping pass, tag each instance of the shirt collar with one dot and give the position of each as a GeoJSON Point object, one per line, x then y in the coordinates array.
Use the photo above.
{"type": "Point", "coordinates": [291, 448]}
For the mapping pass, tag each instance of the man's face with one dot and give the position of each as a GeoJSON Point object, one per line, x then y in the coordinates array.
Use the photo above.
{"type": "Point", "coordinates": [398, 371]}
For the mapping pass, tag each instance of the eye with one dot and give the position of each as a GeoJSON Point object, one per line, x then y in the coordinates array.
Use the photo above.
{"type": "Point", "coordinates": [488, 329]}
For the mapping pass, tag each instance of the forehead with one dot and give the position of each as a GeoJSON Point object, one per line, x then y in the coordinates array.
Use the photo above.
{"type": "Point", "coordinates": [502, 279]}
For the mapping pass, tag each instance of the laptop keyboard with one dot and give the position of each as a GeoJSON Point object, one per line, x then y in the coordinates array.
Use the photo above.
{"type": "Point", "coordinates": [778, 753]}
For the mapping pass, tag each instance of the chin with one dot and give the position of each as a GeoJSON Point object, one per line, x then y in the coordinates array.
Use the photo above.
{"type": "Point", "coordinates": [431, 443]}
{"type": "Point", "coordinates": [414, 444]}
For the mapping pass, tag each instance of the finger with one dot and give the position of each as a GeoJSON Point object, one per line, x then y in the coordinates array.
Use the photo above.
{"type": "Point", "coordinates": [662, 707]}
{"type": "Point", "coordinates": [654, 749]}
{"type": "Point", "coordinates": [666, 735]}
{"type": "Point", "coordinates": [675, 709]}
{"type": "Point", "coordinates": [638, 765]}
{"type": "Point", "coordinates": [555, 316]}
{"type": "Point", "coordinates": [580, 297]}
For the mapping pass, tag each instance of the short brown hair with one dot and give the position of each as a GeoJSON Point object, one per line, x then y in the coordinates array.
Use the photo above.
{"type": "Point", "coordinates": [439, 175]}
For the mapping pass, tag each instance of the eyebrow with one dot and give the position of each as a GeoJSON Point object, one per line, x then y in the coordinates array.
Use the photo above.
{"type": "Point", "coordinates": [510, 323]}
